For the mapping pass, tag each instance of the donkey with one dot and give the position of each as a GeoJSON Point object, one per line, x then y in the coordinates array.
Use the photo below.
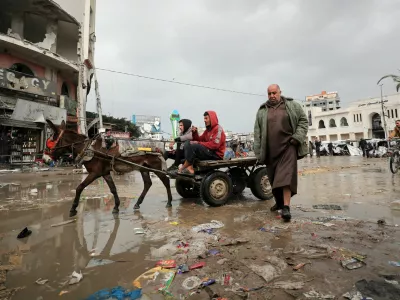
{"type": "Point", "coordinates": [101, 166]}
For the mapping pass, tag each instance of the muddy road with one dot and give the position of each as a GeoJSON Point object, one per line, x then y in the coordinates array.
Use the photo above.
{"type": "Point", "coordinates": [252, 255]}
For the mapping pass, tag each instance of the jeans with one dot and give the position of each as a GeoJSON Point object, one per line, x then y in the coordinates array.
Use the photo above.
{"type": "Point", "coordinates": [178, 156]}
{"type": "Point", "coordinates": [199, 152]}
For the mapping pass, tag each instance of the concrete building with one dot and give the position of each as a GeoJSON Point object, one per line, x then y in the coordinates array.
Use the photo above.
{"type": "Point", "coordinates": [46, 60]}
{"type": "Point", "coordinates": [361, 119]}
{"type": "Point", "coordinates": [326, 101]}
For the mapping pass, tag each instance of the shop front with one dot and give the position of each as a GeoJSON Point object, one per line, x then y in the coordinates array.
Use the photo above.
{"type": "Point", "coordinates": [23, 135]}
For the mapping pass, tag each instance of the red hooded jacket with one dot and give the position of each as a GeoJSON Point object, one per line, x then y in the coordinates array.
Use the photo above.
{"type": "Point", "coordinates": [214, 136]}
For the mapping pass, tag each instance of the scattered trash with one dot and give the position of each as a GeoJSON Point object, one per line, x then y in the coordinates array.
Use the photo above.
{"type": "Point", "coordinates": [355, 295]}
{"type": "Point", "coordinates": [183, 269]}
{"type": "Point", "coordinates": [394, 282]}
{"type": "Point", "coordinates": [41, 281]}
{"type": "Point", "coordinates": [314, 235]}
{"type": "Point", "coordinates": [352, 264]}
{"type": "Point", "coordinates": [197, 266]}
{"type": "Point", "coordinates": [166, 264]}
{"type": "Point", "coordinates": [231, 242]}
{"type": "Point", "coordinates": [288, 285]}
{"type": "Point", "coordinates": [395, 205]}
{"type": "Point", "coordinates": [174, 223]}
{"type": "Point", "coordinates": [327, 207]}
{"type": "Point", "coordinates": [208, 282]}
{"type": "Point", "coordinates": [273, 268]}
{"type": "Point", "coordinates": [222, 261]}
{"type": "Point", "coordinates": [116, 293]}
{"type": "Point", "coordinates": [315, 295]}
{"type": "Point", "coordinates": [63, 292]}
{"type": "Point", "coordinates": [322, 223]}
{"type": "Point", "coordinates": [167, 250]}
{"type": "Point", "coordinates": [394, 263]}
{"type": "Point", "coordinates": [75, 278]}
{"type": "Point", "coordinates": [377, 290]}
{"type": "Point", "coordinates": [226, 279]}
{"type": "Point", "coordinates": [167, 281]}
{"type": "Point", "coordinates": [138, 230]}
{"type": "Point", "coordinates": [24, 233]}
{"type": "Point", "coordinates": [299, 266]}
{"type": "Point", "coordinates": [381, 222]}
{"type": "Point", "coordinates": [213, 252]}
{"type": "Point", "coordinates": [95, 262]}
{"type": "Point", "coordinates": [206, 226]}
{"type": "Point", "coordinates": [191, 283]}
{"type": "Point", "coordinates": [63, 223]}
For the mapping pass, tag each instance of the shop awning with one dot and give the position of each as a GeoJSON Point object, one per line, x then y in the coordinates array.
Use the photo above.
{"type": "Point", "coordinates": [28, 111]}
{"type": "Point", "coordinates": [21, 124]}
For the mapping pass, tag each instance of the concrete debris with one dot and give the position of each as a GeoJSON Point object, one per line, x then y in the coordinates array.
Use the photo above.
{"type": "Point", "coordinates": [288, 285]}
{"type": "Point", "coordinates": [75, 278]}
{"type": "Point", "coordinates": [271, 270]}
{"type": "Point", "coordinates": [315, 295]}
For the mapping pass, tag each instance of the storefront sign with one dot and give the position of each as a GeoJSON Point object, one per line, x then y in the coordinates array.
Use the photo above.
{"type": "Point", "coordinates": [37, 112]}
{"type": "Point", "coordinates": [120, 135]}
{"type": "Point", "coordinates": [34, 85]}
{"type": "Point", "coordinates": [372, 103]}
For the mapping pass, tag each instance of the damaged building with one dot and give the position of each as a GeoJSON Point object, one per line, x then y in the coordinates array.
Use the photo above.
{"type": "Point", "coordinates": [46, 62]}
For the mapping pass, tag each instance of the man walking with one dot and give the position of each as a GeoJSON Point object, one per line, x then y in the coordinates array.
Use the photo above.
{"type": "Point", "coordinates": [318, 147]}
{"type": "Point", "coordinates": [363, 147]}
{"type": "Point", "coordinates": [330, 148]}
{"type": "Point", "coordinates": [280, 138]}
{"type": "Point", "coordinates": [311, 148]}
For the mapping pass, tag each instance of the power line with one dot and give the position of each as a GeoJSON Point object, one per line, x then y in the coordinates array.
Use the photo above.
{"type": "Point", "coordinates": [182, 83]}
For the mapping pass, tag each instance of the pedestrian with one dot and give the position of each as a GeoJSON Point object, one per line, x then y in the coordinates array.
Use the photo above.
{"type": "Point", "coordinates": [311, 148]}
{"type": "Point", "coordinates": [280, 139]}
{"type": "Point", "coordinates": [330, 148]}
{"type": "Point", "coordinates": [318, 147]}
{"type": "Point", "coordinates": [363, 147]}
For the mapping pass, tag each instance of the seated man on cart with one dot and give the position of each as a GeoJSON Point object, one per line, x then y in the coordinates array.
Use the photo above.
{"type": "Point", "coordinates": [209, 146]}
{"type": "Point", "coordinates": [185, 134]}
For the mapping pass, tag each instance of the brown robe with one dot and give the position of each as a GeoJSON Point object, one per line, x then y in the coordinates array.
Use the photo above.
{"type": "Point", "coordinates": [281, 154]}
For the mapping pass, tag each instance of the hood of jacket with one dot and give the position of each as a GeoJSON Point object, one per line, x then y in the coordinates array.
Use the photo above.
{"type": "Point", "coordinates": [186, 124]}
{"type": "Point", "coordinates": [213, 119]}
{"type": "Point", "coordinates": [282, 97]}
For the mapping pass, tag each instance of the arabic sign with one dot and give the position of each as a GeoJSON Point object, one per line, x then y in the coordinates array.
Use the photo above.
{"type": "Point", "coordinates": [147, 124]}
{"type": "Point", "coordinates": [35, 85]}
{"type": "Point", "coordinates": [38, 112]}
{"type": "Point", "coordinates": [371, 103]}
{"type": "Point", "coordinates": [120, 135]}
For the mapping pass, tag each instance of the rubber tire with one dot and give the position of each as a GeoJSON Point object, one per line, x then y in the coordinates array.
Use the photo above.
{"type": "Point", "coordinates": [255, 184]}
{"type": "Point", "coordinates": [186, 189]}
{"type": "Point", "coordinates": [239, 179]}
{"type": "Point", "coordinates": [394, 169]}
{"type": "Point", "coordinates": [206, 184]}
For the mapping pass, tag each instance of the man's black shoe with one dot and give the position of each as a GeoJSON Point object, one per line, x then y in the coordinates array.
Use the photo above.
{"type": "Point", "coordinates": [286, 216]}
{"type": "Point", "coordinates": [276, 207]}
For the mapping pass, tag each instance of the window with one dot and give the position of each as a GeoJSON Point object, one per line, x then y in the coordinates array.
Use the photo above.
{"type": "Point", "coordinates": [330, 102]}
{"type": "Point", "coordinates": [315, 104]}
{"type": "Point", "coordinates": [357, 117]}
{"type": "Point", "coordinates": [343, 122]}
{"type": "Point", "coordinates": [392, 113]}
{"type": "Point", "coordinates": [332, 123]}
{"type": "Point", "coordinates": [64, 90]}
{"type": "Point", "coordinates": [360, 118]}
{"type": "Point", "coordinates": [395, 112]}
{"type": "Point", "coordinates": [321, 124]}
{"type": "Point", "coordinates": [22, 70]}
{"type": "Point", "coordinates": [354, 118]}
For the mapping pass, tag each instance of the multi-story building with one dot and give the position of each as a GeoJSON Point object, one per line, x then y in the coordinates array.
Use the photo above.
{"type": "Point", "coordinates": [361, 119]}
{"type": "Point", "coordinates": [46, 58]}
{"type": "Point", "coordinates": [326, 101]}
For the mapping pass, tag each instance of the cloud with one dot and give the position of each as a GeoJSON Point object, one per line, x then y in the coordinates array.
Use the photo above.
{"type": "Point", "coordinates": [305, 46]}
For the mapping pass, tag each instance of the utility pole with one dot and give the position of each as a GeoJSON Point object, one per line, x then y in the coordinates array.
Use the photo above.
{"type": "Point", "coordinates": [98, 101]}
{"type": "Point", "coordinates": [383, 113]}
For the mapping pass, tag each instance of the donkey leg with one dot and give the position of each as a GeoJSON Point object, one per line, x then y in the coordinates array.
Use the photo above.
{"type": "Point", "coordinates": [165, 181]}
{"type": "Point", "coordinates": [88, 180]}
{"type": "Point", "coordinates": [147, 184]}
{"type": "Point", "coordinates": [113, 190]}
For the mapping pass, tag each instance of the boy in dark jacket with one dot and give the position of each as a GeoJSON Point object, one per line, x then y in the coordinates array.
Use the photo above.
{"type": "Point", "coordinates": [209, 146]}
{"type": "Point", "coordinates": [185, 134]}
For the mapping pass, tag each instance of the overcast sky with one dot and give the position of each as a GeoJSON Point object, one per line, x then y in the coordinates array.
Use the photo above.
{"type": "Point", "coordinates": [304, 46]}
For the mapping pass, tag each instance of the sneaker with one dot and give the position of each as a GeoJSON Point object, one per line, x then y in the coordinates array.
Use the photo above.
{"type": "Point", "coordinates": [286, 216]}
{"type": "Point", "coordinates": [172, 168]}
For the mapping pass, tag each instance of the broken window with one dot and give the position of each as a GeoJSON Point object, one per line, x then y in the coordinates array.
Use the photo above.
{"type": "Point", "coordinates": [64, 90]}
{"type": "Point", "coordinates": [5, 22]}
{"type": "Point", "coordinates": [67, 40]}
{"type": "Point", "coordinates": [34, 28]}
{"type": "Point", "coordinates": [21, 70]}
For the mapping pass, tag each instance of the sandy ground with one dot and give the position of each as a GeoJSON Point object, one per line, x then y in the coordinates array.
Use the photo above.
{"type": "Point", "coordinates": [260, 262]}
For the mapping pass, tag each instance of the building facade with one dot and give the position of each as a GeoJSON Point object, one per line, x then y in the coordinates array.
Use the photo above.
{"type": "Point", "coordinates": [326, 101]}
{"type": "Point", "coordinates": [46, 58]}
{"type": "Point", "coordinates": [361, 119]}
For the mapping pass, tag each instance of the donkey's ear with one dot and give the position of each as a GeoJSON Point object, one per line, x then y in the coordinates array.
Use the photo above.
{"type": "Point", "coordinates": [63, 125]}
{"type": "Point", "coordinates": [52, 126]}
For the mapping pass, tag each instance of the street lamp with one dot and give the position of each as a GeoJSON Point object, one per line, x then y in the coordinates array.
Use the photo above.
{"type": "Point", "coordinates": [383, 113]}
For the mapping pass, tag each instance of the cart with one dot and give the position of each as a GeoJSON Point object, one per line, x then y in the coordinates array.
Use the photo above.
{"type": "Point", "coordinates": [216, 180]}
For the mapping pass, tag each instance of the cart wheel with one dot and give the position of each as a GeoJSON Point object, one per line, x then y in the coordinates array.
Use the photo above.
{"type": "Point", "coordinates": [186, 188]}
{"type": "Point", "coordinates": [394, 162]}
{"type": "Point", "coordinates": [239, 178]}
{"type": "Point", "coordinates": [259, 184]}
{"type": "Point", "coordinates": [216, 188]}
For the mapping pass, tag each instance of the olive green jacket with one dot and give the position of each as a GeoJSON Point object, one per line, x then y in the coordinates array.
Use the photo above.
{"type": "Point", "coordinates": [298, 121]}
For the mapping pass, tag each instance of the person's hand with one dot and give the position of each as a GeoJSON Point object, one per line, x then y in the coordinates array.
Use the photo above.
{"type": "Point", "coordinates": [194, 142]}
{"type": "Point", "coordinates": [194, 129]}
{"type": "Point", "coordinates": [294, 142]}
